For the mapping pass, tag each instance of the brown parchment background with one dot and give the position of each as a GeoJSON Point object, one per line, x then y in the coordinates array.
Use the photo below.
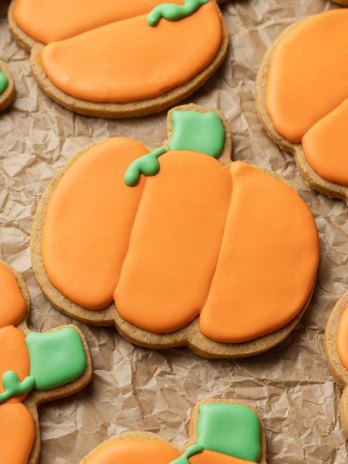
{"type": "Point", "coordinates": [291, 385]}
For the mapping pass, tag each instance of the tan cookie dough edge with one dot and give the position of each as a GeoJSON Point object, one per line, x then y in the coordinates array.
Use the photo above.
{"type": "Point", "coordinates": [189, 335]}
{"type": "Point", "coordinates": [192, 432]}
{"type": "Point", "coordinates": [115, 110]}
{"type": "Point", "coordinates": [35, 398]}
{"type": "Point", "coordinates": [340, 374]}
{"type": "Point", "coordinates": [311, 177]}
{"type": "Point", "coordinates": [7, 97]}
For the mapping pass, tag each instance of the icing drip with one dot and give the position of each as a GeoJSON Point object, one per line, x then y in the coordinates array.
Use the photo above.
{"type": "Point", "coordinates": [146, 164]}
{"type": "Point", "coordinates": [172, 12]}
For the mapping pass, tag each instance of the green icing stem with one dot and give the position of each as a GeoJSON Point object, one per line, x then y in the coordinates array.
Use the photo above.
{"type": "Point", "coordinates": [56, 358]}
{"type": "Point", "coordinates": [14, 387]}
{"type": "Point", "coordinates": [147, 165]}
{"type": "Point", "coordinates": [173, 12]}
{"type": "Point", "coordinates": [3, 82]}
{"type": "Point", "coordinates": [191, 451]}
{"type": "Point", "coordinates": [192, 130]}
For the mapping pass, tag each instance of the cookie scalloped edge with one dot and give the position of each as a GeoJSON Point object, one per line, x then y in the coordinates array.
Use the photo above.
{"type": "Point", "coordinates": [338, 371]}
{"type": "Point", "coordinates": [36, 398]}
{"type": "Point", "coordinates": [116, 110]}
{"type": "Point", "coordinates": [190, 335]}
{"type": "Point", "coordinates": [314, 181]}
{"type": "Point", "coordinates": [192, 431]}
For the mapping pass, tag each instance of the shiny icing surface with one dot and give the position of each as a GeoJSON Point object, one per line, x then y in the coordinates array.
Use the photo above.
{"type": "Point", "coordinates": [195, 238]}
{"type": "Point", "coordinates": [307, 83]}
{"type": "Point", "coordinates": [342, 339]}
{"type": "Point", "coordinates": [50, 20]}
{"type": "Point", "coordinates": [13, 308]}
{"type": "Point", "coordinates": [143, 65]}
{"type": "Point", "coordinates": [17, 431]}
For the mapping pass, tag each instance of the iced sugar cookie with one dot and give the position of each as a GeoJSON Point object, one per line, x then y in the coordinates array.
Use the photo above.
{"type": "Point", "coordinates": [7, 87]}
{"type": "Point", "coordinates": [221, 432]}
{"type": "Point", "coordinates": [120, 59]}
{"type": "Point", "coordinates": [172, 247]}
{"type": "Point", "coordinates": [336, 348]}
{"type": "Point", "coordinates": [34, 368]}
{"type": "Point", "coordinates": [302, 98]}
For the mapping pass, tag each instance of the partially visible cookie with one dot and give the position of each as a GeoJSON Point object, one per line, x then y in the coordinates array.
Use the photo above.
{"type": "Point", "coordinates": [336, 348]}
{"type": "Point", "coordinates": [34, 368]}
{"type": "Point", "coordinates": [221, 432]}
{"type": "Point", "coordinates": [120, 59]}
{"type": "Point", "coordinates": [301, 98]}
{"type": "Point", "coordinates": [7, 87]}
{"type": "Point", "coordinates": [174, 248]}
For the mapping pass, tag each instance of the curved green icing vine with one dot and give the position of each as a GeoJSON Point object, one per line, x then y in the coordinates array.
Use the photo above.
{"type": "Point", "coordinates": [192, 130]}
{"type": "Point", "coordinates": [230, 429]}
{"type": "Point", "coordinates": [3, 82]}
{"type": "Point", "coordinates": [14, 387]}
{"type": "Point", "coordinates": [173, 12]}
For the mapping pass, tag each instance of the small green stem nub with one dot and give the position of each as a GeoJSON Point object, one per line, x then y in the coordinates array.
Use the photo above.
{"type": "Point", "coordinates": [190, 451]}
{"type": "Point", "coordinates": [173, 12]}
{"type": "Point", "coordinates": [147, 165]}
{"type": "Point", "coordinates": [13, 386]}
{"type": "Point", "coordinates": [3, 82]}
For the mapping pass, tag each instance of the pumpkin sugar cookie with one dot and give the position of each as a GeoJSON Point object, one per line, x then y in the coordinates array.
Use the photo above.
{"type": "Point", "coordinates": [301, 98]}
{"type": "Point", "coordinates": [336, 349]}
{"type": "Point", "coordinates": [34, 368]}
{"type": "Point", "coordinates": [120, 59]}
{"type": "Point", "coordinates": [221, 432]}
{"type": "Point", "coordinates": [173, 248]}
{"type": "Point", "coordinates": [7, 87]}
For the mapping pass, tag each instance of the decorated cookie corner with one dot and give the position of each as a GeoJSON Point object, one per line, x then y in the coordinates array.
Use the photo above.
{"type": "Point", "coordinates": [222, 432]}
{"type": "Point", "coordinates": [56, 363]}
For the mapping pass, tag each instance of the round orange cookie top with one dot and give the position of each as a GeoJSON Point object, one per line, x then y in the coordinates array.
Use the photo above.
{"type": "Point", "coordinates": [13, 308]}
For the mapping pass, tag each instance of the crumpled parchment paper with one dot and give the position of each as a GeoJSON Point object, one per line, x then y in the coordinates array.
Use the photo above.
{"type": "Point", "coordinates": [139, 389]}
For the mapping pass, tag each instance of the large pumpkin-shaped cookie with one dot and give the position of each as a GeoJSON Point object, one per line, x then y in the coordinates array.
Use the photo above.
{"type": "Point", "coordinates": [34, 368]}
{"type": "Point", "coordinates": [221, 432]}
{"type": "Point", "coordinates": [120, 59]}
{"type": "Point", "coordinates": [302, 90]}
{"type": "Point", "coordinates": [174, 248]}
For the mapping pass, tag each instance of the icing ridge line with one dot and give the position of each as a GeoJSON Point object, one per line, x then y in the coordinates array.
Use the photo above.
{"type": "Point", "coordinates": [174, 12]}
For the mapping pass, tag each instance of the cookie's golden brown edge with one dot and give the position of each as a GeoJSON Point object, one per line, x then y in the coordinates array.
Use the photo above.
{"type": "Point", "coordinates": [7, 97]}
{"type": "Point", "coordinates": [116, 110]}
{"type": "Point", "coordinates": [340, 2]}
{"type": "Point", "coordinates": [311, 177]}
{"type": "Point", "coordinates": [35, 398]}
{"type": "Point", "coordinates": [188, 336]}
{"type": "Point", "coordinates": [339, 373]}
{"type": "Point", "coordinates": [192, 432]}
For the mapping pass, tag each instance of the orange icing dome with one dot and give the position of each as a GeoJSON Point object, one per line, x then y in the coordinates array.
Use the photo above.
{"type": "Point", "coordinates": [342, 339]}
{"type": "Point", "coordinates": [13, 308]}
{"type": "Point", "coordinates": [307, 90]}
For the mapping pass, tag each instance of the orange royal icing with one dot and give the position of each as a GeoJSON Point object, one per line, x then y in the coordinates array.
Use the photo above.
{"type": "Point", "coordinates": [325, 145]}
{"type": "Point", "coordinates": [17, 431]}
{"type": "Point", "coordinates": [342, 339]}
{"type": "Point", "coordinates": [196, 237]}
{"type": "Point", "coordinates": [129, 61]}
{"type": "Point", "coordinates": [132, 451]}
{"type": "Point", "coordinates": [180, 220]}
{"type": "Point", "coordinates": [49, 21]}
{"type": "Point", "coordinates": [269, 249]}
{"type": "Point", "coordinates": [14, 355]}
{"type": "Point", "coordinates": [87, 227]}
{"type": "Point", "coordinates": [307, 81]}
{"type": "Point", "coordinates": [13, 308]}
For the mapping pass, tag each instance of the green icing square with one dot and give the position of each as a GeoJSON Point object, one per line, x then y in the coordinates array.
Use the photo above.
{"type": "Point", "coordinates": [56, 358]}
{"type": "Point", "coordinates": [230, 429]}
{"type": "Point", "coordinates": [196, 131]}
